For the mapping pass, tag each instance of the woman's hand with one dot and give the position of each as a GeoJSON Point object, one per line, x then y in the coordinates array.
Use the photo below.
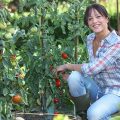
{"type": "Point", "coordinates": [61, 68]}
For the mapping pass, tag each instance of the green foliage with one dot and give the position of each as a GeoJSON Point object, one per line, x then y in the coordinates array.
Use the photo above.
{"type": "Point", "coordinates": [111, 7]}
{"type": "Point", "coordinates": [115, 118]}
{"type": "Point", "coordinates": [113, 21]}
{"type": "Point", "coordinates": [32, 40]}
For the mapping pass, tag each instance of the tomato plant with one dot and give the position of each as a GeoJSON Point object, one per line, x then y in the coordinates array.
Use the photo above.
{"type": "Point", "coordinates": [32, 36]}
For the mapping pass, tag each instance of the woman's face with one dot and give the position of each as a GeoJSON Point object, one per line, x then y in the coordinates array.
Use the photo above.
{"type": "Point", "coordinates": [96, 22]}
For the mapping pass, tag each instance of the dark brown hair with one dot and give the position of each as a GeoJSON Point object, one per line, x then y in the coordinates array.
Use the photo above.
{"type": "Point", "coordinates": [100, 8]}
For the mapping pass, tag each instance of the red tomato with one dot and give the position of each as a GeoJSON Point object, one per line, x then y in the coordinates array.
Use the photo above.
{"type": "Point", "coordinates": [55, 100]}
{"type": "Point", "coordinates": [64, 55]}
{"type": "Point", "coordinates": [16, 99]}
{"type": "Point", "coordinates": [56, 113]}
{"type": "Point", "coordinates": [57, 83]}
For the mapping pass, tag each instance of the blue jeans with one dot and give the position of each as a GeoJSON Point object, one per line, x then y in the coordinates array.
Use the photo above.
{"type": "Point", "coordinates": [102, 106]}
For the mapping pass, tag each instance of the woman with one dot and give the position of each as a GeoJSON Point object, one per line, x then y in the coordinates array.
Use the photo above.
{"type": "Point", "coordinates": [100, 77]}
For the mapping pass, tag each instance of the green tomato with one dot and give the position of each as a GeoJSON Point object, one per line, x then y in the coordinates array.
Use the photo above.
{"type": "Point", "coordinates": [2, 26]}
{"type": "Point", "coordinates": [64, 7]}
{"type": "Point", "coordinates": [8, 35]}
{"type": "Point", "coordinates": [33, 29]}
{"type": "Point", "coordinates": [13, 63]}
{"type": "Point", "coordinates": [11, 30]}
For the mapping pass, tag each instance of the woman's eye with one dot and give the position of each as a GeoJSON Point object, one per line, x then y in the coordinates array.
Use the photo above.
{"type": "Point", "coordinates": [89, 19]}
{"type": "Point", "coordinates": [98, 16]}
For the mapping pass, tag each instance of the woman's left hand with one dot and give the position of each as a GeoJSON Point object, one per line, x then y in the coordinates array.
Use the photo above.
{"type": "Point", "coordinates": [59, 69]}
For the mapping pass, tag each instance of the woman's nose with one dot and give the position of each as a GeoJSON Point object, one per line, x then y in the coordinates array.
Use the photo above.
{"type": "Point", "coordinates": [94, 20]}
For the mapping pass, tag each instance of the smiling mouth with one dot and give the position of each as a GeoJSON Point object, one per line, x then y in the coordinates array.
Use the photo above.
{"type": "Point", "coordinates": [96, 26]}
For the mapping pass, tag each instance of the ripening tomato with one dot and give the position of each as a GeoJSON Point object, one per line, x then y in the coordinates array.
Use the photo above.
{"type": "Point", "coordinates": [16, 99]}
{"type": "Point", "coordinates": [57, 83]}
{"type": "Point", "coordinates": [56, 113]}
{"type": "Point", "coordinates": [55, 100]}
{"type": "Point", "coordinates": [13, 57]}
{"type": "Point", "coordinates": [64, 55]}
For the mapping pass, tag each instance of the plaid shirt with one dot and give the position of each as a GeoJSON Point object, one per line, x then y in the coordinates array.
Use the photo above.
{"type": "Point", "coordinates": [105, 66]}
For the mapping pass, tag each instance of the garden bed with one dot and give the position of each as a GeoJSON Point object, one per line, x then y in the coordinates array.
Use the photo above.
{"type": "Point", "coordinates": [40, 116]}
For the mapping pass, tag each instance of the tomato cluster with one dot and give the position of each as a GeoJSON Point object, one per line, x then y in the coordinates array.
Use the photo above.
{"type": "Point", "coordinates": [57, 79]}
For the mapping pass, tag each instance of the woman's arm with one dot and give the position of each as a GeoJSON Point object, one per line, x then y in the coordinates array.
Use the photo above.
{"type": "Point", "coordinates": [96, 66]}
{"type": "Point", "coordinates": [72, 67]}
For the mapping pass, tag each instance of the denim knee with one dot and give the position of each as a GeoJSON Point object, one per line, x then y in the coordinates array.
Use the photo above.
{"type": "Point", "coordinates": [104, 107]}
{"type": "Point", "coordinates": [94, 114]}
{"type": "Point", "coordinates": [76, 84]}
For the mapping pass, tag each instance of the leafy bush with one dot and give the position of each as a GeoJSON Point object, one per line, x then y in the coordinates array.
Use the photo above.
{"type": "Point", "coordinates": [34, 34]}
